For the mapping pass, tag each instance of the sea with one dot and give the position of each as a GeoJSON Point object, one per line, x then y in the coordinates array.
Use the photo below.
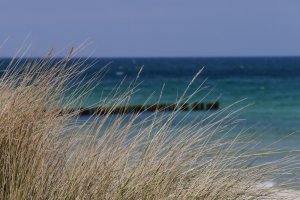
{"type": "Point", "coordinates": [264, 90]}
{"type": "Point", "coordinates": [268, 87]}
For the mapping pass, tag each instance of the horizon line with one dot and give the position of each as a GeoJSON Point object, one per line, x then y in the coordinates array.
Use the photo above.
{"type": "Point", "coordinates": [153, 57]}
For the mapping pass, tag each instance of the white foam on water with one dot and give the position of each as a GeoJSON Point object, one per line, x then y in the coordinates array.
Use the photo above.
{"type": "Point", "coordinates": [266, 184]}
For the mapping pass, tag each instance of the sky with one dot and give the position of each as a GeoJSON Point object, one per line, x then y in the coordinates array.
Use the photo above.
{"type": "Point", "coordinates": [152, 28]}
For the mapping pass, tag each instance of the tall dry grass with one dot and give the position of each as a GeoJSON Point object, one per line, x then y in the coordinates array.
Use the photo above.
{"type": "Point", "coordinates": [46, 154]}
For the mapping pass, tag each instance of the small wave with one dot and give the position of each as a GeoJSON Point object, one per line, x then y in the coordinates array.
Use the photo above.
{"type": "Point", "coordinates": [119, 73]}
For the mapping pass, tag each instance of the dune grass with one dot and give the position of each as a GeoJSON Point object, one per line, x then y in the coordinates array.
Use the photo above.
{"type": "Point", "coordinates": [46, 153]}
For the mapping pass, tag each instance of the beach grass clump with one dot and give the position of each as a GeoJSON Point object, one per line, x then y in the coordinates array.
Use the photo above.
{"type": "Point", "coordinates": [47, 153]}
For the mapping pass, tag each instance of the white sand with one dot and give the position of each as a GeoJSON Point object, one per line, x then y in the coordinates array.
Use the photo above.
{"type": "Point", "coordinates": [287, 195]}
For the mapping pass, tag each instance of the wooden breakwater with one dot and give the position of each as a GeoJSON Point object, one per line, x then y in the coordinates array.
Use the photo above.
{"type": "Point", "coordinates": [146, 108]}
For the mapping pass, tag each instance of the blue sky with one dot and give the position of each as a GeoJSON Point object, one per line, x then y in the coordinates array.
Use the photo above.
{"type": "Point", "coordinates": [139, 28]}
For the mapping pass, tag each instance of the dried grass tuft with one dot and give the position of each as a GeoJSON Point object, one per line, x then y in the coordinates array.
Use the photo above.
{"type": "Point", "coordinates": [45, 154]}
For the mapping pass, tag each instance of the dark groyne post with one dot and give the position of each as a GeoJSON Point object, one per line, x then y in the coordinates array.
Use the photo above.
{"type": "Point", "coordinates": [212, 106]}
{"type": "Point", "coordinates": [171, 107]}
{"type": "Point", "coordinates": [151, 108]}
{"type": "Point", "coordinates": [184, 106]}
{"type": "Point", "coordinates": [198, 106]}
{"type": "Point", "coordinates": [85, 111]}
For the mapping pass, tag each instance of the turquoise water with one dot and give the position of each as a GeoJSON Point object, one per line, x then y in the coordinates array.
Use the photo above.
{"type": "Point", "coordinates": [270, 85]}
